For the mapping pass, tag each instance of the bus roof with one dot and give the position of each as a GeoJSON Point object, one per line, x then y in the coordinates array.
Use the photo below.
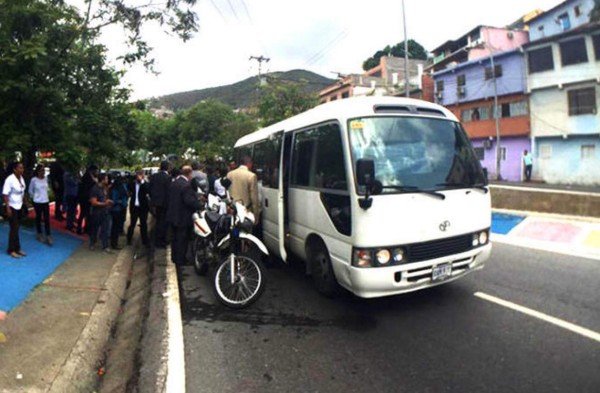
{"type": "Point", "coordinates": [350, 108]}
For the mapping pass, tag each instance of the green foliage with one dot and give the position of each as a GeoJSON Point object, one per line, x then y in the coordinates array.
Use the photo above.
{"type": "Point", "coordinates": [415, 51]}
{"type": "Point", "coordinates": [282, 99]}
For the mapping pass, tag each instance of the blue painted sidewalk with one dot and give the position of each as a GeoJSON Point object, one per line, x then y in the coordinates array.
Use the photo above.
{"type": "Point", "coordinates": [18, 277]}
{"type": "Point", "coordinates": [504, 223]}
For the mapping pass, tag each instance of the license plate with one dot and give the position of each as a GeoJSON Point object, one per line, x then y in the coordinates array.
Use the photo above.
{"type": "Point", "coordinates": [441, 272]}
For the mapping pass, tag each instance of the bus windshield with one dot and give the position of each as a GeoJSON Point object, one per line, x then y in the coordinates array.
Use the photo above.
{"type": "Point", "coordinates": [416, 153]}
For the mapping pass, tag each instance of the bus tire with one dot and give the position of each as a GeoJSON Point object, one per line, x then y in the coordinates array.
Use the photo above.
{"type": "Point", "coordinates": [322, 272]}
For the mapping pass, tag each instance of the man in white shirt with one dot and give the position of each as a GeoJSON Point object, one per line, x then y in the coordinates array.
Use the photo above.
{"type": "Point", "coordinates": [13, 193]}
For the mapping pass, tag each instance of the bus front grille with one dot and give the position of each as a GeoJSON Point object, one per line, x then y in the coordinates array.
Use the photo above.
{"type": "Point", "coordinates": [439, 248]}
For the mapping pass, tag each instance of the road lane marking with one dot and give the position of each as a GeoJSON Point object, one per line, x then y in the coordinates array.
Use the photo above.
{"type": "Point", "coordinates": [536, 314]}
{"type": "Point", "coordinates": [176, 359]}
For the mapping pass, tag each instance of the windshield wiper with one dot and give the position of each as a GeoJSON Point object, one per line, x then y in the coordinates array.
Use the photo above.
{"type": "Point", "coordinates": [478, 186]}
{"type": "Point", "coordinates": [417, 189]}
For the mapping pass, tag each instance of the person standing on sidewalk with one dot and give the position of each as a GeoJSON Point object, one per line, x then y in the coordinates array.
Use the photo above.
{"type": "Point", "coordinates": [100, 206]}
{"type": "Point", "coordinates": [58, 187]}
{"type": "Point", "coordinates": [88, 181]}
{"type": "Point", "coordinates": [14, 193]}
{"type": "Point", "coordinates": [159, 201]}
{"type": "Point", "coordinates": [528, 164]}
{"type": "Point", "coordinates": [118, 211]}
{"type": "Point", "coordinates": [182, 205]}
{"type": "Point", "coordinates": [38, 190]}
{"type": "Point", "coordinates": [138, 207]}
{"type": "Point", "coordinates": [71, 181]}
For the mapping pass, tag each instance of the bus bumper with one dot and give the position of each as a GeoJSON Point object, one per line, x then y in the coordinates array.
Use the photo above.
{"type": "Point", "coordinates": [394, 280]}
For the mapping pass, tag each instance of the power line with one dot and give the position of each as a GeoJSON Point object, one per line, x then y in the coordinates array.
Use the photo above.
{"type": "Point", "coordinates": [317, 56]}
{"type": "Point", "coordinates": [246, 10]}
{"type": "Point", "coordinates": [218, 10]}
{"type": "Point", "coordinates": [233, 10]}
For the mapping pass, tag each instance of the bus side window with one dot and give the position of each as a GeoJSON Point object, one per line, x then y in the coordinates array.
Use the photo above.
{"type": "Point", "coordinates": [330, 158]}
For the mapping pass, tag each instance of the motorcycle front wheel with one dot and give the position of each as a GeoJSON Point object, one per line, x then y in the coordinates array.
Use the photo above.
{"type": "Point", "coordinates": [200, 257]}
{"type": "Point", "coordinates": [247, 283]}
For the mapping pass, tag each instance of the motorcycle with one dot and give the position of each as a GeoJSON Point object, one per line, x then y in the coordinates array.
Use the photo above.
{"type": "Point", "coordinates": [224, 242]}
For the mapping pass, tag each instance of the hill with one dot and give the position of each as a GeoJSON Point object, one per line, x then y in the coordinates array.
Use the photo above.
{"type": "Point", "coordinates": [240, 94]}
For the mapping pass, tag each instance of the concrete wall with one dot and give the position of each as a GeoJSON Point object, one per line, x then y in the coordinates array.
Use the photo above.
{"type": "Point", "coordinates": [559, 161]}
{"type": "Point", "coordinates": [477, 87]}
{"type": "Point", "coordinates": [548, 19]}
{"type": "Point", "coordinates": [569, 203]}
{"type": "Point", "coordinates": [563, 75]}
{"type": "Point", "coordinates": [511, 168]}
{"type": "Point", "coordinates": [549, 110]}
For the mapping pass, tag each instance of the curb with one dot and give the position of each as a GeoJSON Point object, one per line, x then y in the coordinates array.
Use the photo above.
{"type": "Point", "coordinates": [175, 356]}
{"type": "Point", "coordinates": [79, 373]}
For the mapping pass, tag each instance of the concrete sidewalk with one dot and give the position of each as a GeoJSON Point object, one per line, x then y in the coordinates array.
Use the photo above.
{"type": "Point", "coordinates": [55, 340]}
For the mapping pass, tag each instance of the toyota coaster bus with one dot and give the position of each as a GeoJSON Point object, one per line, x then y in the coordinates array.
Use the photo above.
{"type": "Point", "coordinates": [381, 195]}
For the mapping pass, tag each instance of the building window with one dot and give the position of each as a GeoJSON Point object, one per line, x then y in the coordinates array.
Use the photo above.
{"type": "Point", "coordinates": [577, 10]}
{"type": "Point", "coordinates": [518, 108]}
{"type": "Point", "coordinates": [582, 101]}
{"type": "Point", "coordinates": [563, 20]}
{"type": "Point", "coordinates": [439, 86]}
{"type": "Point", "coordinates": [545, 151]}
{"type": "Point", "coordinates": [503, 153]}
{"type": "Point", "coordinates": [588, 152]}
{"type": "Point", "coordinates": [345, 94]}
{"type": "Point", "coordinates": [461, 80]}
{"type": "Point", "coordinates": [596, 43]}
{"type": "Point", "coordinates": [479, 153]}
{"type": "Point", "coordinates": [540, 60]}
{"type": "Point", "coordinates": [497, 72]}
{"type": "Point", "coordinates": [573, 51]}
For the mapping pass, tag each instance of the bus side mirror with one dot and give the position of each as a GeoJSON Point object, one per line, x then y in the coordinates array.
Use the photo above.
{"type": "Point", "coordinates": [365, 175]}
{"type": "Point", "coordinates": [365, 172]}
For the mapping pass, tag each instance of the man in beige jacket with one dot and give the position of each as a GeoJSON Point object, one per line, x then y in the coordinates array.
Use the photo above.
{"type": "Point", "coordinates": [244, 186]}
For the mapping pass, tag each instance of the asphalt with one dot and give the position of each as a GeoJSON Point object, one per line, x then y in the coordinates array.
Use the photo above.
{"type": "Point", "coordinates": [56, 339]}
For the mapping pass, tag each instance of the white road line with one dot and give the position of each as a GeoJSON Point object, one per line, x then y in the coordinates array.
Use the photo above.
{"type": "Point", "coordinates": [536, 314]}
{"type": "Point", "coordinates": [176, 359]}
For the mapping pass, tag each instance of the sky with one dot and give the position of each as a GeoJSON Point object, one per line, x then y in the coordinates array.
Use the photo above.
{"type": "Point", "coordinates": [323, 36]}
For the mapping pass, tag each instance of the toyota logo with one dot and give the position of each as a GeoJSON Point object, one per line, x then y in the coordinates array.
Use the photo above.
{"type": "Point", "coordinates": [444, 225]}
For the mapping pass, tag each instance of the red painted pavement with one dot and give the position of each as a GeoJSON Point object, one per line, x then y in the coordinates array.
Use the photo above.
{"type": "Point", "coordinates": [549, 231]}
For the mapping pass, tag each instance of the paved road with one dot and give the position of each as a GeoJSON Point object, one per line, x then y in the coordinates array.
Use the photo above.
{"type": "Point", "coordinates": [438, 340]}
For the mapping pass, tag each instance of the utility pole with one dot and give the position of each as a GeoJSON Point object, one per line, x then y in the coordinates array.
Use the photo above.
{"type": "Point", "coordinates": [406, 78]}
{"type": "Point", "coordinates": [497, 117]}
{"type": "Point", "coordinates": [260, 59]}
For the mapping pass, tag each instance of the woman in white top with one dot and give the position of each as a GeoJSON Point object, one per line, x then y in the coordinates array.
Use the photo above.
{"type": "Point", "coordinates": [13, 193]}
{"type": "Point", "coordinates": [38, 189]}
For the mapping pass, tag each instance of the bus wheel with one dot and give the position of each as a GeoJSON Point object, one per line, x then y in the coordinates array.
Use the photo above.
{"type": "Point", "coordinates": [322, 273]}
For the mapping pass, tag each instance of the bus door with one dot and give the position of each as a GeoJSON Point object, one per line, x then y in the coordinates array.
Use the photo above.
{"type": "Point", "coordinates": [284, 183]}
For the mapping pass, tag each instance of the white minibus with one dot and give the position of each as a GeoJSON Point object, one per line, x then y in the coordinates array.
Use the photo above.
{"type": "Point", "coordinates": [381, 195]}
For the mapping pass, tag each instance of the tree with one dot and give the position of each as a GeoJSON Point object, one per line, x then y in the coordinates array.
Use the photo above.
{"type": "Point", "coordinates": [211, 128]}
{"type": "Point", "coordinates": [56, 93]}
{"type": "Point", "coordinates": [175, 15]}
{"type": "Point", "coordinates": [415, 51]}
{"type": "Point", "coordinates": [282, 99]}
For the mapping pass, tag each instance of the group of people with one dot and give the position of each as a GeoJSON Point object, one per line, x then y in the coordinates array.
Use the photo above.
{"type": "Point", "coordinates": [171, 195]}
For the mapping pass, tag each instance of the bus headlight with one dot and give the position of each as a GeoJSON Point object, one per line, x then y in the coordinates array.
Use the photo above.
{"type": "Point", "coordinates": [383, 256]}
{"type": "Point", "coordinates": [483, 238]}
{"type": "Point", "coordinates": [362, 258]}
{"type": "Point", "coordinates": [399, 255]}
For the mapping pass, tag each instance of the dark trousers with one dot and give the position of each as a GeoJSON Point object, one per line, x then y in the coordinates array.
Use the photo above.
{"type": "Point", "coordinates": [528, 172]}
{"type": "Point", "coordinates": [179, 244]}
{"type": "Point", "coordinates": [100, 223]}
{"type": "Point", "coordinates": [58, 202]}
{"type": "Point", "coordinates": [14, 243]}
{"type": "Point", "coordinates": [135, 214]}
{"type": "Point", "coordinates": [42, 211]}
{"type": "Point", "coordinates": [118, 218]}
{"type": "Point", "coordinates": [161, 227]}
{"type": "Point", "coordinates": [71, 208]}
{"type": "Point", "coordinates": [84, 214]}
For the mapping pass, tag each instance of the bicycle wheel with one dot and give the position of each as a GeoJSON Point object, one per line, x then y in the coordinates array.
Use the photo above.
{"type": "Point", "coordinates": [248, 282]}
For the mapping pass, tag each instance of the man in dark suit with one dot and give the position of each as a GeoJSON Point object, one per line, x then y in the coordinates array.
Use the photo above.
{"type": "Point", "coordinates": [159, 201]}
{"type": "Point", "coordinates": [139, 205]}
{"type": "Point", "coordinates": [183, 202]}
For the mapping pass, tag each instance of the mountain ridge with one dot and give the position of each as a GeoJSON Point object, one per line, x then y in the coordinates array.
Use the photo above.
{"type": "Point", "coordinates": [240, 94]}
